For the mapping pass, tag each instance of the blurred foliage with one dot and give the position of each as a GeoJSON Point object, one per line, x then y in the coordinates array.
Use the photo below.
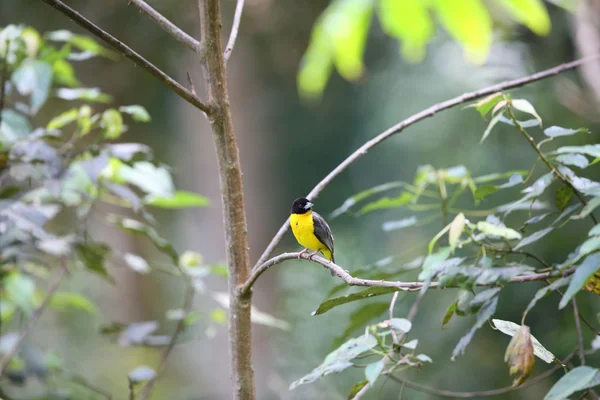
{"type": "Point", "coordinates": [54, 173]}
{"type": "Point", "coordinates": [477, 248]}
{"type": "Point", "coordinates": [339, 35]}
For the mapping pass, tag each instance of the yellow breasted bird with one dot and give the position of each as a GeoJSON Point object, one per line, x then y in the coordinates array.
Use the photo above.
{"type": "Point", "coordinates": [310, 229]}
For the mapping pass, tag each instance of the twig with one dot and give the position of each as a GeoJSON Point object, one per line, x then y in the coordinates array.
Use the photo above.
{"type": "Point", "coordinates": [83, 382]}
{"type": "Point", "coordinates": [131, 54]}
{"type": "Point", "coordinates": [352, 281]}
{"type": "Point", "coordinates": [581, 317]}
{"type": "Point", "coordinates": [579, 333]}
{"type": "Point", "coordinates": [545, 159]}
{"type": "Point", "coordinates": [429, 112]}
{"type": "Point", "coordinates": [234, 29]}
{"type": "Point", "coordinates": [187, 306]}
{"type": "Point", "coordinates": [511, 251]}
{"type": "Point", "coordinates": [3, 77]}
{"type": "Point", "coordinates": [131, 388]}
{"type": "Point", "coordinates": [391, 316]}
{"type": "Point", "coordinates": [485, 393]}
{"type": "Point", "coordinates": [52, 287]}
{"type": "Point", "coordinates": [167, 25]}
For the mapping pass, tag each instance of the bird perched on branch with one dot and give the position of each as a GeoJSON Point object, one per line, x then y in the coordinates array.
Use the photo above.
{"type": "Point", "coordinates": [310, 229]}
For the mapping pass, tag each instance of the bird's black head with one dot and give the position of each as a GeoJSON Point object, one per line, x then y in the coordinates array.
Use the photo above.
{"type": "Point", "coordinates": [301, 206]}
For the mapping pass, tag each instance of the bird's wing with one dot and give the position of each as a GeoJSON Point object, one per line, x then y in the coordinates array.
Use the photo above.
{"type": "Point", "coordinates": [322, 231]}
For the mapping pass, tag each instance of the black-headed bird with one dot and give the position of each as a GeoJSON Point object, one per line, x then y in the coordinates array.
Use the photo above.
{"type": "Point", "coordinates": [310, 229]}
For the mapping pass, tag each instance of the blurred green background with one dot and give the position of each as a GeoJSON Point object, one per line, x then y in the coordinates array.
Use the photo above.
{"type": "Point", "coordinates": [287, 145]}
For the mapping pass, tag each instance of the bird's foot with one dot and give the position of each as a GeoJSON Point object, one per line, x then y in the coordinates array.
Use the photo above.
{"type": "Point", "coordinates": [302, 252]}
{"type": "Point", "coordinates": [311, 255]}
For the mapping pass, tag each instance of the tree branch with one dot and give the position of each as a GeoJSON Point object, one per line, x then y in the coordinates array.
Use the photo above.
{"type": "Point", "coordinates": [579, 333]}
{"type": "Point", "coordinates": [232, 199]}
{"type": "Point", "coordinates": [131, 54]}
{"type": "Point", "coordinates": [428, 112]}
{"type": "Point", "coordinates": [391, 316]}
{"type": "Point", "coordinates": [352, 281]}
{"type": "Point", "coordinates": [52, 287]}
{"type": "Point", "coordinates": [234, 29]}
{"type": "Point", "coordinates": [187, 307]}
{"type": "Point", "coordinates": [167, 25]}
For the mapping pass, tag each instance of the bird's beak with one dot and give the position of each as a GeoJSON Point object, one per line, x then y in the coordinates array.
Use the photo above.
{"type": "Point", "coordinates": [308, 205]}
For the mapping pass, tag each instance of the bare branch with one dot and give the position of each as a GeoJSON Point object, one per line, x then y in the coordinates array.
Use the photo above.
{"type": "Point", "coordinates": [187, 307]}
{"type": "Point", "coordinates": [234, 29]}
{"type": "Point", "coordinates": [362, 391]}
{"type": "Point", "coordinates": [429, 112]}
{"type": "Point", "coordinates": [391, 316]}
{"type": "Point", "coordinates": [579, 333]}
{"type": "Point", "coordinates": [352, 281]}
{"type": "Point", "coordinates": [167, 25]}
{"type": "Point", "coordinates": [131, 54]}
{"type": "Point", "coordinates": [52, 287]}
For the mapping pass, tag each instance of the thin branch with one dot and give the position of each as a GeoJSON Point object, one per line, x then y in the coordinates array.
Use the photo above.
{"type": "Point", "coordinates": [472, 395]}
{"type": "Point", "coordinates": [167, 25]}
{"type": "Point", "coordinates": [353, 281]}
{"type": "Point", "coordinates": [81, 381]}
{"type": "Point", "coordinates": [511, 251]}
{"type": "Point", "coordinates": [542, 157]}
{"type": "Point", "coordinates": [579, 333]}
{"type": "Point", "coordinates": [131, 54]}
{"type": "Point", "coordinates": [427, 113]}
{"type": "Point", "coordinates": [234, 29]}
{"type": "Point", "coordinates": [52, 287]}
{"type": "Point", "coordinates": [187, 307]}
{"type": "Point", "coordinates": [391, 316]}
{"type": "Point", "coordinates": [3, 78]}
{"type": "Point", "coordinates": [362, 391]}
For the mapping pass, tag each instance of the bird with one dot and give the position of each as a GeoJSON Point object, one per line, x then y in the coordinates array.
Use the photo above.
{"type": "Point", "coordinates": [311, 230]}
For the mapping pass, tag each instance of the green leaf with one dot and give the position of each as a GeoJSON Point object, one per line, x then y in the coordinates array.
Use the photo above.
{"type": "Point", "coordinates": [64, 300]}
{"type": "Point", "coordinates": [510, 328]}
{"type": "Point", "coordinates": [578, 160]}
{"type": "Point", "coordinates": [86, 94]}
{"type": "Point", "coordinates": [112, 124]}
{"type": "Point", "coordinates": [588, 209]}
{"type": "Point", "coordinates": [449, 313]}
{"type": "Point", "coordinates": [469, 23]}
{"type": "Point", "coordinates": [351, 201]}
{"type": "Point", "coordinates": [400, 324]}
{"type": "Point", "coordinates": [410, 22]}
{"type": "Point", "coordinates": [563, 197]}
{"type": "Point", "coordinates": [595, 231]}
{"type": "Point", "coordinates": [180, 199]}
{"type": "Point", "coordinates": [386, 202]}
{"type": "Point", "coordinates": [534, 237]}
{"type": "Point", "coordinates": [592, 150]}
{"type": "Point", "coordinates": [142, 374]}
{"type": "Point", "coordinates": [339, 359]}
{"type": "Point", "coordinates": [411, 345]}
{"type": "Point", "coordinates": [33, 78]}
{"type": "Point", "coordinates": [490, 126]}
{"type": "Point", "coordinates": [64, 74]}
{"type": "Point", "coordinates": [363, 294]}
{"type": "Point", "coordinates": [63, 119]}
{"type": "Point", "coordinates": [470, 275]}
{"type": "Point", "coordinates": [482, 298]}
{"type": "Point", "coordinates": [456, 229]}
{"type": "Point", "coordinates": [357, 387]}
{"type": "Point", "coordinates": [555, 131]}
{"type": "Point", "coordinates": [579, 378]}
{"type": "Point", "coordinates": [93, 255]}
{"type": "Point", "coordinates": [526, 107]}
{"type": "Point", "coordinates": [134, 226]}
{"type": "Point", "coordinates": [139, 113]}
{"type": "Point", "coordinates": [136, 263]}
{"type": "Point", "coordinates": [545, 290]}
{"type": "Point", "coordinates": [588, 267]}
{"type": "Point", "coordinates": [82, 42]}
{"type": "Point", "coordinates": [485, 313]}
{"type": "Point", "coordinates": [399, 224]}
{"type": "Point", "coordinates": [155, 181]}
{"type": "Point", "coordinates": [373, 370]}
{"type": "Point", "coordinates": [20, 290]}
{"type": "Point", "coordinates": [13, 126]}
{"type": "Point", "coordinates": [531, 13]}
{"type": "Point", "coordinates": [485, 105]}
{"type": "Point", "coordinates": [497, 231]}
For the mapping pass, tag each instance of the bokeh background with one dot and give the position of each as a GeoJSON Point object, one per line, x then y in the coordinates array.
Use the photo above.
{"type": "Point", "coordinates": [287, 145]}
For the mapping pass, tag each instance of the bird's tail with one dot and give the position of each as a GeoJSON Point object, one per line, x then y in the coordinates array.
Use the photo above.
{"type": "Point", "coordinates": [328, 255]}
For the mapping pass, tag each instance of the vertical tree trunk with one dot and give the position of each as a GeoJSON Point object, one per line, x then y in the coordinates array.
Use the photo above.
{"type": "Point", "coordinates": [232, 197]}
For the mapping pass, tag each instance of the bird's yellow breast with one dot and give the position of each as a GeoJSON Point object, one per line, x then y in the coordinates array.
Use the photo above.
{"type": "Point", "coordinates": [303, 229]}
